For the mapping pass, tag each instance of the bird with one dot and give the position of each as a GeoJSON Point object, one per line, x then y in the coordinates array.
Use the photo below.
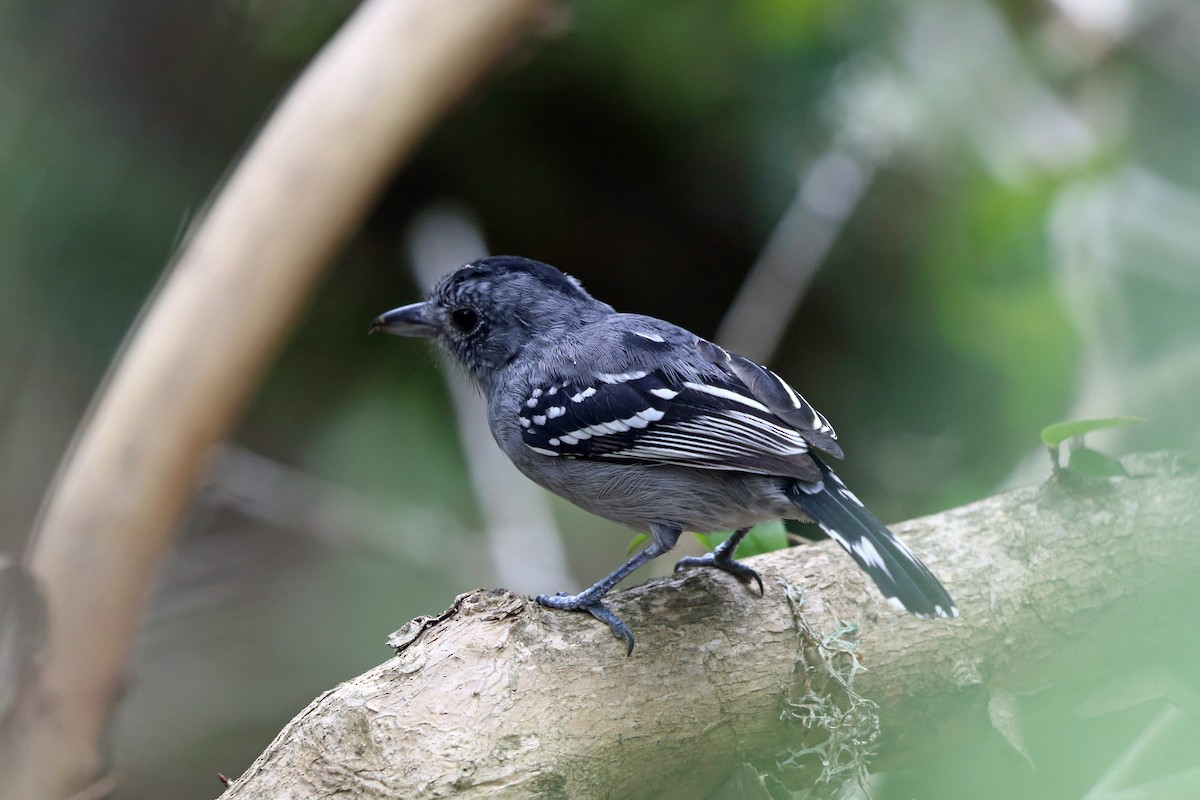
{"type": "Point", "coordinates": [644, 423]}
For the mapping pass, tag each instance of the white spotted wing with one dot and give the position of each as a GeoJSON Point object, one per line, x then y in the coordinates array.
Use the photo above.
{"type": "Point", "coordinates": [655, 417]}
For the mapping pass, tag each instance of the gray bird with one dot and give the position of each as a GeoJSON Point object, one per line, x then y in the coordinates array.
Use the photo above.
{"type": "Point", "coordinates": [643, 423]}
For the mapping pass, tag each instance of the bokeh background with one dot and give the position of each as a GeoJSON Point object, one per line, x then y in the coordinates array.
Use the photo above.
{"type": "Point", "coordinates": [948, 222]}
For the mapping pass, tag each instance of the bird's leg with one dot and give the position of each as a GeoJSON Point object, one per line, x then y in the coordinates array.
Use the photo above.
{"type": "Point", "coordinates": [722, 559]}
{"type": "Point", "coordinates": [662, 539]}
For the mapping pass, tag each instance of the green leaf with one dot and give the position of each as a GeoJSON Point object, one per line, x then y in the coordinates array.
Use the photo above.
{"type": "Point", "coordinates": [1085, 461]}
{"type": "Point", "coordinates": [1059, 432]}
{"type": "Point", "coordinates": [1005, 715]}
{"type": "Point", "coordinates": [635, 543]}
{"type": "Point", "coordinates": [763, 539]}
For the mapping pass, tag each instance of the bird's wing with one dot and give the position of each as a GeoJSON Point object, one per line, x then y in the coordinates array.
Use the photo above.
{"type": "Point", "coordinates": [775, 393]}
{"type": "Point", "coordinates": [712, 419]}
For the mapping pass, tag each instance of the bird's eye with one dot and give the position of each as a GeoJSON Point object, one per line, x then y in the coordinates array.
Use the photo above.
{"type": "Point", "coordinates": [464, 320]}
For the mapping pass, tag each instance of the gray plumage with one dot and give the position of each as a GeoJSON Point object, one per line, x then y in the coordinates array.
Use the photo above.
{"type": "Point", "coordinates": [646, 424]}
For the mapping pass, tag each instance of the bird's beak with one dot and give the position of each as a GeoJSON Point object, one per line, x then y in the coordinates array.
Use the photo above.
{"type": "Point", "coordinates": [411, 320]}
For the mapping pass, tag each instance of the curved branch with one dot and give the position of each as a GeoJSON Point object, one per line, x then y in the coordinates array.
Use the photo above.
{"type": "Point", "coordinates": [499, 697]}
{"type": "Point", "coordinates": [239, 282]}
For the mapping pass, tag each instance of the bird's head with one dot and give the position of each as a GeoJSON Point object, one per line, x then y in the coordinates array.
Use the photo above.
{"type": "Point", "coordinates": [487, 311]}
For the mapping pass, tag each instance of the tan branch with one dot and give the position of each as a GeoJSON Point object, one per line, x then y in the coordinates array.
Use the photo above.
{"type": "Point", "coordinates": [502, 698]}
{"type": "Point", "coordinates": [205, 340]}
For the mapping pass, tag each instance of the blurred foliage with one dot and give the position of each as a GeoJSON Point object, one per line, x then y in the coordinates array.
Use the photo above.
{"type": "Point", "coordinates": [1083, 460]}
{"type": "Point", "coordinates": [1025, 251]}
{"type": "Point", "coordinates": [761, 539]}
{"type": "Point", "coordinates": [1054, 435]}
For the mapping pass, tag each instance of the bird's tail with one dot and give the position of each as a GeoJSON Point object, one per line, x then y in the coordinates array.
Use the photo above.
{"type": "Point", "coordinates": [900, 575]}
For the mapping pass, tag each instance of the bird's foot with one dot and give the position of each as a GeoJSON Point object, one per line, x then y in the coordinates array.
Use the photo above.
{"type": "Point", "coordinates": [724, 563]}
{"type": "Point", "coordinates": [592, 605]}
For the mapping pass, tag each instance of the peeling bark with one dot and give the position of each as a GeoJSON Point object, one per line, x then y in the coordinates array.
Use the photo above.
{"type": "Point", "coordinates": [501, 697]}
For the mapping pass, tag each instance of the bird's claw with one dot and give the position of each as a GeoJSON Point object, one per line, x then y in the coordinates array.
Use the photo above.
{"type": "Point", "coordinates": [581, 602]}
{"type": "Point", "coordinates": [737, 569]}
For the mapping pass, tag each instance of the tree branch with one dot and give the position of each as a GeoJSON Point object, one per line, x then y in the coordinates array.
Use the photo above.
{"type": "Point", "coordinates": [501, 697]}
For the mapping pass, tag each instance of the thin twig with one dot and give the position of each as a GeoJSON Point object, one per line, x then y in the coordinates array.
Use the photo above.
{"type": "Point", "coordinates": [523, 540]}
{"type": "Point", "coordinates": [826, 195]}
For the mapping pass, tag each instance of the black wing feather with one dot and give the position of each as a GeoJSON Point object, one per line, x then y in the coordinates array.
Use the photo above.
{"type": "Point", "coordinates": [653, 417]}
{"type": "Point", "coordinates": [740, 417]}
{"type": "Point", "coordinates": [784, 401]}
